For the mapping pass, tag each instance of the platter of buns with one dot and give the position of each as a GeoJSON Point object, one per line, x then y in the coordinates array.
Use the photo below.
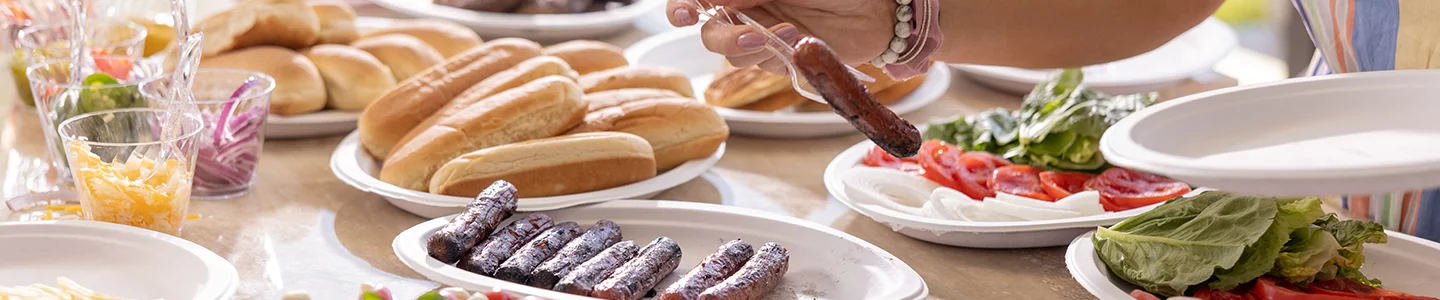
{"type": "Point", "coordinates": [569, 124]}
{"type": "Point", "coordinates": [541, 20]}
{"type": "Point", "coordinates": [754, 102]}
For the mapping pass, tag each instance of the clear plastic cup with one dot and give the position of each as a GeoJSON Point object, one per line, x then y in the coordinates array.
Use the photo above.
{"type": "Point", "coordinates": [123, 171]}
{"type": "Point", "coordinates": [59, 98]}
{"type": "Point", "coordinates": [41, 43]}
{"type": "Point", "coordinates": [234, 127]}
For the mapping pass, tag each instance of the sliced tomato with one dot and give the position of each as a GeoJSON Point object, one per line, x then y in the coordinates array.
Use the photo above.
{"type": "Point", "coordinates": [1351, 288]}
{"type": "Point", "coordinates": [1127, 189]}
{"type": "Point", "coordinates": [1019, 180]}
{"type": "Point", "coordinates": [976, 169]}
{"type": "Point", "coordinates": [1094, 185]}
{"type": "Point", "coordinates": [1062, 184]}
{"type": "Point", "coordinates": [941, 161]}
{"type": "Point", "coordinates": [1143, 295]}
{"type": "Point", "coordinates": [1269, 288]}
{"type": "Point", "coordinates": [879, 158]}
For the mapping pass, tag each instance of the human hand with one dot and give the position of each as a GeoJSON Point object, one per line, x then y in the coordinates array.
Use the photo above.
{"type": "Point", "coordinates": [857, 30]}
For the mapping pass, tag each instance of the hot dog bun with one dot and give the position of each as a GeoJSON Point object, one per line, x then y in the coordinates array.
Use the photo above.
{"type": "Point", "coordinates": [637, 77]}
{"type": "Point", "coordinates": [286, 23]}
{"type": "Point", "coordinates": [390, 117]}
{"type": "Point", "coordinates": [298, 86]}
{"type": "Point", "coordinates": [611, 98]}
{"type": "Point", "coordinates": [353, 78]}
{"type": "Point", "coordinates": [678, 129]}
{"type": "Point", "coordinates": [337, 22]}
{"type": "Point", "coordinates": [588, 56]}
{"type": "Point", "coordinates": [542, 108]}
{"type": "Point", "coordinates": [405, 55]}
{"type": "Point", "coordinates": [742, 86]}
{"type": "Point", "coordinates": [552, 166]}
{"type": "Point", "coordinates": [525, 72]}
{"type": "Point", "coordinates": [784, 99]}
{"type": "Point", "coordinates": [447, 37]}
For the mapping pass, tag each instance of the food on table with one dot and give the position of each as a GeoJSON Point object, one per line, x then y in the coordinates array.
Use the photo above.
{"type": "Point", "coordinates": [535, 6]}
{"type": "Point", "coordinates": [472, 226]}
{"type": "Point", "coordinates": [337, 22]}
{"type": "Point", "coordinates": [522, 73]}
{"type": "Point", "coordinates": [756, 278]}
{"type": "Point", "coordinates": [1219, 241]}
{"type": "Point", "coordinates": [753, 89]}
{"type": "Point", "coordinates": [714, 268]}
{"type": "Point", "coordinates": [353, 78]}
{"type": "Point", "coordinates": [539, 109]}
{"type": "Point", "coordinates": [227, 158]}
{"type": "Point", "coordinates": [637, 276]}
{"type": "Point", "coordinates": [64, 289]}
{"type": "Point", "coordinates": [560, 165]}
{"type": "Point", "coordinates": [1122, 189]}
{"type": "Point", "coordinates": [137, 191]}
{"type": "Point", "coordinates": [789, 98]}
{"type": "Point", "coordinates": [1058, 126]}
{"type": "Point", "coordinates": [520, 267]}
{"type": "Point", "coordinates": [298, 86]}
{"type": "Point", "coordinates": [678, 129]}
{"type": "Point", "coordinates": [582, 280]}
{"type": "Point", "coordinates": [405, 55]}
{"type": "Point", "coordinates": [370, 291]}
{"type": "Point", "coordinates": [599, 237]}
{"type": "Point", "coordinates": [1061, 184]}
{"type": "Point", "coordinates": [1019, 180]}
{"type": "Point", "coordinates": [897, 186]}
{"type": "Point", "coordinates": [552, 7]}
{"type": "Point", "coordinates": [743, 86]}
{"type": "Point", "coordinates": [285, 23]}
{"type": "Point", "coordinates": [920, 197]}
{"type": "Point", "coordinates": [487, 257]}
{"type": "Point", "coordinates": [637, 77]}
{"type": "Point", "coordinates": [849, 97]}
{"type": "Point", "coordinates": [601, 100]}
{"type": "Point", "coordinates": [390, 117]}
{"type": "Point", "coordinates": [447, 37]}
{"type": "Point", "coordinates": [587, 56]}
{"type": "Point", "coordinates": [158, 36]}
{"type": "Point", "coordinates": [889, 95]}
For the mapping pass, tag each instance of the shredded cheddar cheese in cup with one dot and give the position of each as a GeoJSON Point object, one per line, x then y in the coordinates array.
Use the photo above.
{"type": "Point", "coordinates": [116, 193]}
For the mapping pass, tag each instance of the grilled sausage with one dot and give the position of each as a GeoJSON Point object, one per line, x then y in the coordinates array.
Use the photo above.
{"type": "Point", "coordinates": [850, 99]}
{"type": "Point", "coordinates": [501, 245]}
{"type": "Point", "coordinates": [756, 278]}
{"type": "Point", "coordinates": [480, 218]}
{"type": "Point", "coordinates": [582, 280]}
{"type": "Point", "coordinates": [710, 271]}
{"type": "Point", "coordinates": [599, 237]}
{"type": "Point", "coordinates": [632, 280]}
{"type": "Point", "coordinates": [518, 267]}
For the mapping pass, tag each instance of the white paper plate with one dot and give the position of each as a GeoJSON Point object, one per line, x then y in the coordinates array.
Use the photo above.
{"type": "Point", "coordinates": [1022, 234]}
{"type": "Point", "coordinates": [1352, 133]}
{"type": "Point", "coordinates": [113, 259]}
{"type": "Point", "coordinates": [357, 168]}
{"type": "Point", "coordinates": [311, 125]}
{"type": "Point", "coordinates": [681, 49]}
{"type": "Point", "coordinates": [824, 263]}
{"type": "Point", "coordinates": [1406, 264]}
{"type": "Point", "coordinates": [534, 27]}
{"type": "Point", "coordinates": [1194, 52]}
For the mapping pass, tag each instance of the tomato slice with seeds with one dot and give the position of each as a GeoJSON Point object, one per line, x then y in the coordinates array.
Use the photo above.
{"type": "Point", "coordinates": [1063, 184]}
{"type": "Point", "coordinates": [1127, 189]}
{"type": "Point", "coordinates": [1019, 180]}
{"type": "Point", "coordinates": [940, 161]}
{"type": "Point", "coordinates": [879, 158]}
{"type": "Point", "coordinates": [975, 172]}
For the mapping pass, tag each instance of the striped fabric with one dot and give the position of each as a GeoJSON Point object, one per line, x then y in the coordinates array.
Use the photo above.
{"type": "Point", "coordinates": [1379, 35]}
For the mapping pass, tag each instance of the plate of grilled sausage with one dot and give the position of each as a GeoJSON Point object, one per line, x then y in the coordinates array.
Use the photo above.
{"type": "Point", "coordinates": [647, 249]}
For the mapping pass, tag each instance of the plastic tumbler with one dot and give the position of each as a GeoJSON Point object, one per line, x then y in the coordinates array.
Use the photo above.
{"type": "Point", "coordinates": [38, 44]}
{"type": "Point", "coordinates": [233, 105]}
{"type": "Point", "coordinates": [127, 172]}
{"type": "Point", "coordinates": [114, 83]}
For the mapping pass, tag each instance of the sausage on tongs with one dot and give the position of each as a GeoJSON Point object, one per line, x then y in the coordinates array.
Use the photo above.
{"type": "Point", "coordinates": [454, 240]}
{"type": "Point", "coordinates": [850, 99]}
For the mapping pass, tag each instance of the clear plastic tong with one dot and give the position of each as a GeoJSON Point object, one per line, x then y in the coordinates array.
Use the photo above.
{"type": "Point", "coordinates": [782, 50]}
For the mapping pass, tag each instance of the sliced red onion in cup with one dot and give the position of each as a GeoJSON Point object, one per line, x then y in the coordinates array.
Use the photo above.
{"type": "Point", "coordinates": [229, 160]}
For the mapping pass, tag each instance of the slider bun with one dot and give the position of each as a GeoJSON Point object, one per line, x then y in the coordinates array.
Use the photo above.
{"type": "Point", "coordinates": [353, 78]}
{"type": "Point", "coordinates": [447, 37]}
{"type": "Point", "coordinates": [637, 77]}
{"type": "Point", "coordinates": [542, 108]}
{"type": "Point", "coordinates": [743, 86]}
{"type": "Point", "coordinates": [298, 86]}
{"type": "Point", "coordinates": [285, 23]}
{"type": "Point", "coordinates": [611, 98]}
{"type": "Point", "coordinates": [587, 56]}
{"type": "Point", "coordinates": [337, 22]}
{"type": "Point", "coordinates": [405, 55]}
{"type": "Point", "coordinates": [554, 166]}
{"type": "Point", "coordinates": [678, 129]}
{"type": "Point", "coordinates": [778, 101]}
{"type": "Point", "coordinates": [525, 72]}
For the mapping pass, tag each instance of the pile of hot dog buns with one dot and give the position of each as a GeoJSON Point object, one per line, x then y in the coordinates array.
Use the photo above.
{"type": "Point", "coordinates": [318, 58]}
{"type": "Point", "coordinates": [536, 7]}
{"type": "Point", "coordinates": [753, 89]}
{"type": "Point", "coordinates": [569, 118]}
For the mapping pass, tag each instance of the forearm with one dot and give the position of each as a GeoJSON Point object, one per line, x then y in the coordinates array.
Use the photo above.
{"type": "Point", "coordinates": [1061, 33]}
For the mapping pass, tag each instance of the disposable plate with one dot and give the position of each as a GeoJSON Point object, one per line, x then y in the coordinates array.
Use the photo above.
{"type": "Point", "coordinates": [310, 125]}
{"type": "Point", "coordinates": [1406, 263]}
{"type": "Point", "coordinates": [557, 27]}
{"type": "Point", "coordinates": [824, 263]}
{"type": "Point", "coordinates": [1193, 52]}
{"type": "Point", "coordinates": [112, 259]}
{"type": "Point", "coordinates": [1351, 133]}
{"type": "Point", "coordinates": [1020, 234]}
{"type": "Point", "coordinates": [353, 165]}
{"type": "Point", "coordinates": [681, 49]}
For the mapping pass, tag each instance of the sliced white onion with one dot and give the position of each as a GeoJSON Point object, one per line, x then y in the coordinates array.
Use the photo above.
{"type": "Point", "coordinates": [888, 188]}
{"type": "Point", "coordinates": [947, 204]}
{"type": "Point", "coordinates": [1016, 206]}
{"type": "Point", "coordinates": [1086, 203]}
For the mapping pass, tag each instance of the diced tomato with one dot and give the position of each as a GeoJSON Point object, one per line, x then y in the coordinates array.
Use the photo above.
{"type": "Point", "coordinates": [1269, 288]}
{"type": "Point", "coordinates": [1143, 295]}
{"type": "Point", "coordinates": [497, 294]}
{"type": "Point", "coordinates": [1062, 184]}
{"type": "Point", "coordinates": [973, 176]}
{"type": "Point", "coordinates": [1128, 189]}
{"type": "Point", "coordinates": [1209, 294]}
{"type": "Point", "coordinates": [1019, 180]}
{"type": "Point", "coordinates": [116, 67]}
{"type": "Point", "coordinates": [879, 158]}
{"type": "Point", "coordinates": [941, 161]}
{"type": "Point", "coordinates": [1351, 288]}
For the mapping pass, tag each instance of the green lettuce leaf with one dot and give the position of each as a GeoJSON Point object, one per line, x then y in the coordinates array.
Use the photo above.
{"type": "Point", "coordinates": [1307, 254]}
{"type": "Point", "coordinates": [1260, 257]}
{"type": "Point", "coordinates": [1352, 235]}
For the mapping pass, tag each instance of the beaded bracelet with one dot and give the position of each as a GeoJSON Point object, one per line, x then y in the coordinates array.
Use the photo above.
{"type": "Point", "coordinates": [917, 36]}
